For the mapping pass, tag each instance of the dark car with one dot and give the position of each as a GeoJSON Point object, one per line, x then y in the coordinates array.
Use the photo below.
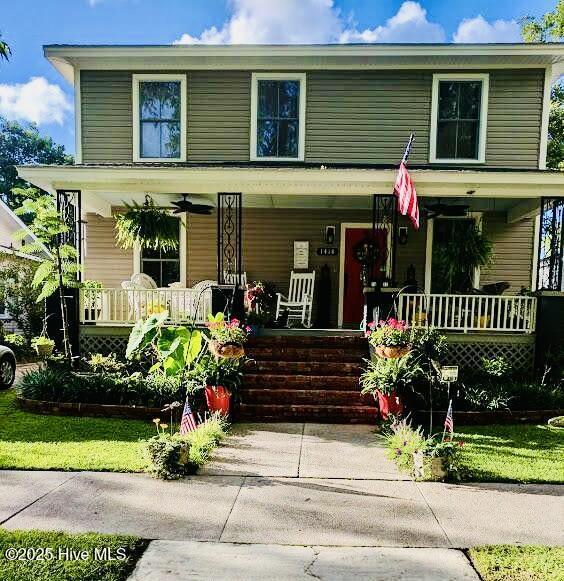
{"type": "Point", "coordinates": [7, 367]}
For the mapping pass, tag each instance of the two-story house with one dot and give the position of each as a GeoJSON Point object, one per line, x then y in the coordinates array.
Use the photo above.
{"type": "Point", "coordinates": [308, 135]}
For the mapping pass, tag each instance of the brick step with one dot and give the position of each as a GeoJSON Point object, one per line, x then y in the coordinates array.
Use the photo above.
{"type": "Point", "coordinates": [303, 368]}
{"type": "Point", "coordinates": [324, 341]}
{"type": "Point", "coordinates": [315, 413]}
{"type": "Point", "coordinates": [312, 382]}
{"type": "Point", "coordinates": [283, 353]}
{"type": "Point", "coordinates": [306, 396]}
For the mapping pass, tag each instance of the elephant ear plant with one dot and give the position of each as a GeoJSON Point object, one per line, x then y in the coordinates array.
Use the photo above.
{"type": "Point", "coordinates": [148, 226]}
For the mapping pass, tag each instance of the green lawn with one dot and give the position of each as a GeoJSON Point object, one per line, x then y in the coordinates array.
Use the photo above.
{"type": "Point", "coordinates": [525, 563]}
{"type": "Point", "coordinates": [513, 453]}
{"type": "Point", "coordinates": [65, 566]}
{"type": "Point", "coordinates": [68, 443]}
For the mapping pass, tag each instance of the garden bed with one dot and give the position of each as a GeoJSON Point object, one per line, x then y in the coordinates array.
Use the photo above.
{"type": "Point", "coordinates": [94, 410]}
{"type": "Point", "coordinates": [477, 418]}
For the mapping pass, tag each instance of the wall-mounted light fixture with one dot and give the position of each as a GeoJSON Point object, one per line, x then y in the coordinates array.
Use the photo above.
{"type": "Point", "coordinates": [402, 235]}
{"type": "Point", "coordinates": [330, 234]}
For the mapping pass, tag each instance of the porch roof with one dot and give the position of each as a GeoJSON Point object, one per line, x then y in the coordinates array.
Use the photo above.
{"type": "Point", "coordinates": [306, 179]}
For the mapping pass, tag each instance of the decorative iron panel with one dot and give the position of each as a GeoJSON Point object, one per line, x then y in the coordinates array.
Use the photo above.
{"type": "Point", "coordinates": [384, 221]}
{"type": "Point", "coordinates": [551, 245]}
{"type": "Point", "coordinates": [229, 237]}
{"type": "Point", "coordinates": [69, 206]}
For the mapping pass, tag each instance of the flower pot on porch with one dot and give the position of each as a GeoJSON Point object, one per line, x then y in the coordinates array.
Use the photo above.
{"type": "Point", "coordinates": [227, 350]}
{"type": "Point", "coordinates": [218, 399]}
{"type": "Point", "coordinates": [388, 403]}
{"type": "Point", "coordinates": [393, 352]}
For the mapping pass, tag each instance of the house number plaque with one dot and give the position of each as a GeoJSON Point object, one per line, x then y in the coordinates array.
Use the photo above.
{"type": "Point", "coordinates": [325, 251]}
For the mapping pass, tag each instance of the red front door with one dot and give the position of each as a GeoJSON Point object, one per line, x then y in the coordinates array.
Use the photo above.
{"type": "Point", "coordinates": [353, 298]}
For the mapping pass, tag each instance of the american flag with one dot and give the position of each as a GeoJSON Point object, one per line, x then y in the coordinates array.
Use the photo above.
{"type": "Point", "coordinates": [404, 189]}
{"type": "Point", "coordinates": [449, 421]}
{"type": "Point", "coordinates": [188, 421]}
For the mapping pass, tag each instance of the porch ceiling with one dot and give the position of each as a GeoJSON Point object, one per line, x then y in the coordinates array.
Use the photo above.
{"type": "Point", "coordinates": [280, 186]}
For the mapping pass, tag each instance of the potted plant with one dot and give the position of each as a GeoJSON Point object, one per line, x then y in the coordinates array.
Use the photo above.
{"type": "Point", "coordinates": [43, 346]}
{"type": "Point", "coordinates": [220, 378]}
{"type": "Point", "coordinates": [390, 338]}
{"type": "Point", "coordinates": [438, 459]}
{"type": "Point", "coordinates": [383, 377]}
{"type": "Point", "coordinates": [146, 225]}
{"type": "Point", "coordinates": [227, 338]}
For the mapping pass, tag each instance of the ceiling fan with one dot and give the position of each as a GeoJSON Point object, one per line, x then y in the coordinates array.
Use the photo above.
{"type": "Point", "coordinates": [441, 209]}
{"type": "Point", "coordinates": [188, 207]}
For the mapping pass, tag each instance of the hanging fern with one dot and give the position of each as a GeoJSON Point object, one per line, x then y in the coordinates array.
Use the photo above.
{"type": "Point", "coordinates": [148, 226]}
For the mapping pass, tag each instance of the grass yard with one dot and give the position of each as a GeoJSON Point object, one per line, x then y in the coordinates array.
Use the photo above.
{"type": "Point", "coordinates": [525, 563]}
{"type": "Point", "coordinates": [513, 453]}
{"type": "Point", "coordinates": [68, 569]}
{"type": "Point", "coordinates": [43, 442]}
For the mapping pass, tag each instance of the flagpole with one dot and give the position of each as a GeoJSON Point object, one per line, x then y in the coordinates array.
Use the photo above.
{"type": "Point", "coordinates": [444, 428]}
{"type": "Point", "coordinates": [407, 150]}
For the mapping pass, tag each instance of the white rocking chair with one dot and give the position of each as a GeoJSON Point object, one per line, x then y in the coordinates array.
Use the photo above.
{"type": "Point", "coordinates": [299, 301]}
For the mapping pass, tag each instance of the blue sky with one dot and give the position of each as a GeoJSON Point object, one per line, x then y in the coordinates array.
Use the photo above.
{"type": "Point", "coordinates": [30, 89]}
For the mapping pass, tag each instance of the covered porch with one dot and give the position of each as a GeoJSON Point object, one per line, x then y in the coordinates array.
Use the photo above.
{"type": "Point", "coordinates": [323, 208]}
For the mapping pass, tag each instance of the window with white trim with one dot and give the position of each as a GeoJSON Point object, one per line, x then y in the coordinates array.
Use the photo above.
{"type": "Point", "coordinates": [459, 118]}
{"type": "Point", "coordinates": [278, 117]}
{"type": "Point", "coordinates": [163, 266]}
{"type": "Point", "coordinates": [159, 123]}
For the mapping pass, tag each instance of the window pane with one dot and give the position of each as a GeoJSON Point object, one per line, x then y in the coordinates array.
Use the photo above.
{"type": "Point", "coordinates": [170, 139]}
{"type": "Point", "coordinates": [171, 272]}
{"type": "Point", "coordinates": [150, 139]}
{"type": "Point", "coordinates": [153, 269]}
{"type": "Point", "coordinates": [288, 139]}
{"type": "Point", "coordinates": [170, 100]}
{"type": "Point", "coordinates": [289, 95]}
{"type": "Point", "coordinates": [267, 99]}
{"type": "Point", "coordinates": [467, 147]}
{"type": "Point", "coordinates": [448, 100]}
{"type": "Point", "coordinates": [149, 100]}
{"type": "Point", "coordinates": [267, 138]}
{"type": "Point", "coordinates": [150, 253]}
{"type": "Point", "coordinates": [446, 139]}
{"type": "Point", "coordinates": [470, 96]}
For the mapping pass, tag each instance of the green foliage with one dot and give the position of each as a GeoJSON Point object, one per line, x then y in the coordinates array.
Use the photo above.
{"type": "Point", "coordinates": [99, 363]}
{"type": "Point", "coordinates": [148, 226]}
{"type": "Point", "coordinates": [402, 442]}
{"type": "Point", "coordinates": [390, 333]}
{"type": "Point", "coordinates": [205, 438]}
{"type": "Point", "coordinates": [221, 371]}
{"type": "Point", "coordinates": [18, 344]}
{"type": "Point", "coordinates": [23, 145]}
{"type": "Point", "coordinates": [389, 375]}
{"type": "Point", "coordinates": [39, 341]}
{"type": "Point", "coordinates": [69, 569]}
{"type": "Point", "coordinates": [457, 258]}
{"type": "Point", "coordinates": [497, 366]}
{"type": "Point", "coordinates": [547, 28]}
{"type": "Point", "coordinates": [5, 50]}
{"type": "Point", "coordinates": [518, 563]}
{"type": "Point", "coordinates": [18, 295]}
{"type": "Point", "coordinates": [224, 331]}
{"type": "Point", "coordinates": [144, 333]}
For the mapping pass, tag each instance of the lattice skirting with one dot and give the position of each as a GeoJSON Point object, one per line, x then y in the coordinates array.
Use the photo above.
{"type": "Point", "coordinates": [104, 344]}
{"type": "Point", "coordinates": [468, 352]}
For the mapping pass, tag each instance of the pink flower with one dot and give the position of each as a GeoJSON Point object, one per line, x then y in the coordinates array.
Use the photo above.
{"type": "Point", "coordinates": [368, 333]}
{"type": "Point", "coordinates": [234, 321]}
{"type": "Point", "coordinates": [371, 325]}
{"type": "Point", "coordinates": [248, 329]}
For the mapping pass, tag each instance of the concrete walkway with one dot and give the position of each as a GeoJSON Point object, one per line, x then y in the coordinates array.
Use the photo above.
{"type": "Point", "coordinates": [287, 492]}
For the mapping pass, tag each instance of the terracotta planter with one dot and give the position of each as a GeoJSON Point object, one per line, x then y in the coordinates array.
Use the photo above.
{"type": "Point", "coordinates": [388, 404]}
{"type": "Point", "coordinates": [227, 350]}
{"type": "Point", "coordinates": [391, 352]}
{"type": "Point", "coordinates": [218, 399]}
{"type": "Point", "coordinates": [44, 350]}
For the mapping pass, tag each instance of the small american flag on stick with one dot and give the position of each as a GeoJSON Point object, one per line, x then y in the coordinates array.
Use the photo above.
{"type": "Point", "coordinates": [188, 422]}
{"type": "Point", "coordinates": [449, 421]}
{"type": "Point", "coordinates": [404, 189]}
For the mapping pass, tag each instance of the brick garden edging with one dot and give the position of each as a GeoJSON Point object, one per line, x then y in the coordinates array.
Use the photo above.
{"type": "Point", "coordinates": [95, 410]}
{"type": "Point", "coordinates": [489, 417]}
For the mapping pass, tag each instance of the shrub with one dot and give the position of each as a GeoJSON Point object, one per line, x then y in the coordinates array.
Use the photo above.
{"type": "Point", "coordinates": [496, 366]}
{"type": "Point", "coordinates": [99, 363]}
{"type": "Point", "coordinates": [169, 457]}
{"type": "Point", "coordinates": [18, 344]}
{"type": "Point", "coordinates": [45, 383]}
{"type": "Point", "coordinates": [403, 441]}
{"type": "Point", "coordinates": [205, 438]}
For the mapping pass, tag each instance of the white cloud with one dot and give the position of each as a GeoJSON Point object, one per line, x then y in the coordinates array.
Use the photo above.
{"type": "Point", "coordinates": [273, 22]}
{"type": "Point", "coordinates": [480, 30]}
{"type": "Point", "coordinates": [37, 101]}
{"type": "Point", "coordinates": [410, 24]}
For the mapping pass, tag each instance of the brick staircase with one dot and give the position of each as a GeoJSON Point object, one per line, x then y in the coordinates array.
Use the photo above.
{"type": "Point", "coordinates": [305, 378]}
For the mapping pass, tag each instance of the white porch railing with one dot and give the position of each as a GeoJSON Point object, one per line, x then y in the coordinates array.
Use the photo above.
{"type": "Point", "coordinates": [113, 306]}
{"type": "Point", "coordinates": [514, 314]}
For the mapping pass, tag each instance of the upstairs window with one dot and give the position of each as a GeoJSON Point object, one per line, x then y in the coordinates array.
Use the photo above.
{"type": "Point", "coordinates": [163, 266]}
{"type": "Point", "coordinates": [278, 117]}
{"type": "Point", "coordinates": [159, 124]}
{"type": "Point", "coordinates": [458, 118]}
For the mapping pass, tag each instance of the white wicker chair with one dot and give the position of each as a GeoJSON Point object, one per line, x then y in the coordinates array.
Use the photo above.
{"type": "Point", "coordinates": [143, 280]}
{"type": "Point", "coordinates": [299, 302]}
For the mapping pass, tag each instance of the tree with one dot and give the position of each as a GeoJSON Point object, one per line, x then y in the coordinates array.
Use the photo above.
{"type": "Point", "coordinates": [550, 28]}
{"type": "Point", "coordinates": [18, 295]}
{"type": "Point", "coordinates": [59, 270]}
{"type": "Point", "coordinates": [22, 144]}
{"type": "Point", "coordinates": [5, 51]}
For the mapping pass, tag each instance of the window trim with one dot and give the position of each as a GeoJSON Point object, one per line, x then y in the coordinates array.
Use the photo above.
{"type": "Point", "coordinates": [136, 80]}
{"type": "Point", "coordinates": [437, 78]}
{"type": "Point", "coordinates": [301, 77]}
{"type": "Point", "coordinates": [183, 250]}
